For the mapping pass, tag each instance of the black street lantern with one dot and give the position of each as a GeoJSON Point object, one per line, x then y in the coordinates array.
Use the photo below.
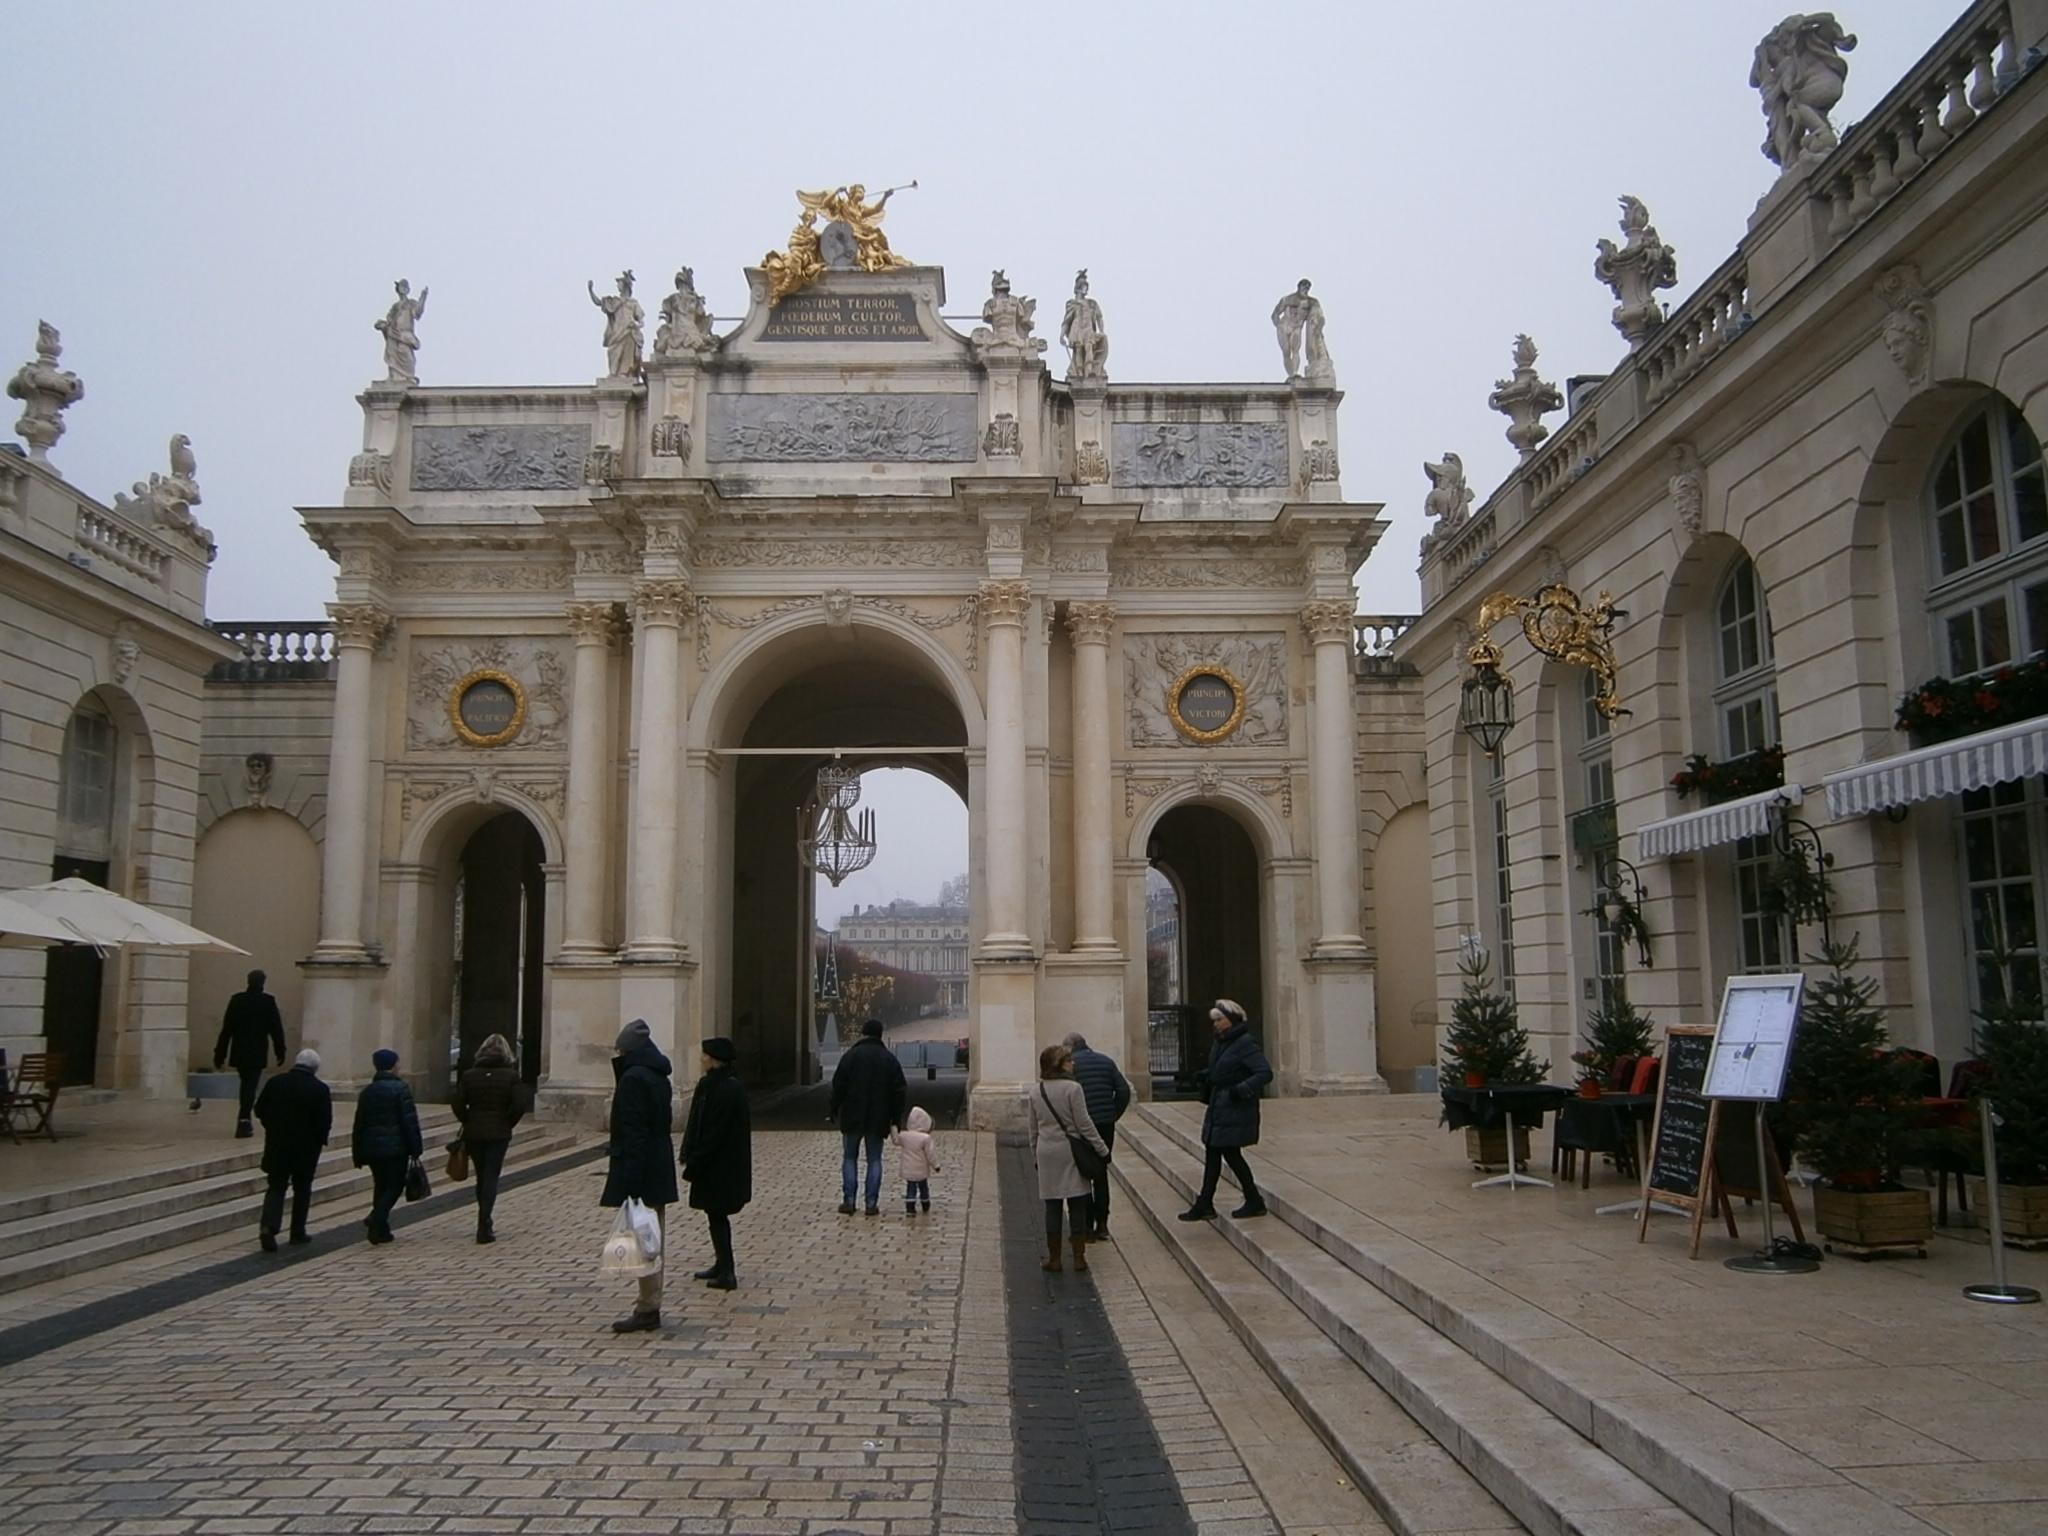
{"type": "Point", "coordinates": [1486, 707]}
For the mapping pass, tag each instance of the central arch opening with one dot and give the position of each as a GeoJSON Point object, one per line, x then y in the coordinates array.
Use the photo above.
{"type": "Point", "coordinates": [1204, 934]}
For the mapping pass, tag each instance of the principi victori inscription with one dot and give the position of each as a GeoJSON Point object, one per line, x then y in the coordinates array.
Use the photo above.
{"type": "Point", "coordinates": [819, 316]}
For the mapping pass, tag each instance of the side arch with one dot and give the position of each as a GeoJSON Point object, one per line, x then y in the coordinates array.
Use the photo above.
{"type": "Point", "coordinates": [447, 822]}
{"type": "Point", "coordinates": [1269, 835]}
{"type": "Point", "coordinates": [256, 880]}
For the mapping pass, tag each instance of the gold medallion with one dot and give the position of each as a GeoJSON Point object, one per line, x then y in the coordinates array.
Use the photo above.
{"type": "Point", "coordinates": [1206, 703]}
{"type": "Point", "coordinates": [487, 708]}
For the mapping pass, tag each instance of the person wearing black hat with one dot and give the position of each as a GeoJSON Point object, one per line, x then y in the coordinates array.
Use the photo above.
{"type": "Point", "coordinates": [718, 1156]}
{"type": "Point", "coordinates": [643, 1153]}
{"type": "Point", "coordinates": [869, 1097]}
{"type": "Point", "coordinates": [386, 1139]}
{"type": "Point", "coordinates": [250, 1024]}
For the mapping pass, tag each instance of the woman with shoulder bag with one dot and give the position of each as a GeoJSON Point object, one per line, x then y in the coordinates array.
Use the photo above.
{"type": "Point", "coordinates": [1238, 1070]}
{"type": "Point", "coordinates": [1063, 1137]}
{"type": "Point", "coordinates": [489, 1100]}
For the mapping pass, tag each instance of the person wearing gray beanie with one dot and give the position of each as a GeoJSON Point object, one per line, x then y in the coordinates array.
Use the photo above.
{"type": "Point", "coordinates": [297, 1112]}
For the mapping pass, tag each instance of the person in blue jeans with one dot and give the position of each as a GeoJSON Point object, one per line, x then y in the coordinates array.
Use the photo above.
{"type": "Point", "coordinates": [869, 1098]}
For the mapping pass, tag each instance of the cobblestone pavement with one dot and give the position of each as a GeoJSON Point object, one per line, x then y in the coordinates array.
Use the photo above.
{"type": "Point", "coordinates": [861, 1380]}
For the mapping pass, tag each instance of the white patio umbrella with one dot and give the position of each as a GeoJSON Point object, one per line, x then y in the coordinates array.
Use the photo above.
{"type": "Point", "coordinates": [99, 917]}
{"type": "Point", "coordinates": [22, 927]}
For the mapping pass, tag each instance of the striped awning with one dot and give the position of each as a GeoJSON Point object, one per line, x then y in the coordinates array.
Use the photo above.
{"type": "Point", "coordinates": [1717, 824]}
{"type": "Point", "coordinates": [1948, 768]}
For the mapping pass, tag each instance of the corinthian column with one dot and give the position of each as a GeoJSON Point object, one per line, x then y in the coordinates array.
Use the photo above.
{"type": "Point", "coordinates": [357, 629]}
{"type": "Point", "coordinates": [594, 625]}
{"type": "Point", "coordinates": [1090, 624]}
{"type": "Point", "coordinates": [660, 609]}
{"type": "Point", "coordinates": [1328, 624]}
{"type": "Point", "coordinates": [1003, 606]}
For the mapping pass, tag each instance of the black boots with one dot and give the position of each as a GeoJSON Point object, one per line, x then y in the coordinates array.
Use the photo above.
{"type": "Point", "coordinates": [1253, 1206]}
{"type": "Point", "coordinates": [638, 1322]}
{"type": "Point", "coordinates": [244, 1130]}
{"type": "Point", "coordinates": [1201, 1210]}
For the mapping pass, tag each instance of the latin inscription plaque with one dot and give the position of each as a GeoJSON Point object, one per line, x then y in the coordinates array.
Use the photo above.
{"type": "Point", "coordinates": [818, 316]}
{"type": "Point", "coordinates": [1206, 704]}
{"type": "Point", "coordinates": [487, 708]}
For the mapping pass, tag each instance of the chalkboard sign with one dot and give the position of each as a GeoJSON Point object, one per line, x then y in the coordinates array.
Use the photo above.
{"type": "Point", "coordinates": [1678, 1144]}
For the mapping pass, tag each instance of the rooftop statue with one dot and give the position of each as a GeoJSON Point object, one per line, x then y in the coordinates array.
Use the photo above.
{"type": "Point", "coordinates": [1450, 499]}
{"type": "Point", "coordinates": [852, 239]}
{"type": "Point", "coordinates": [1008, 321]}
{"type": "Point", "coordinates": [1298, 324]}
{"type": "Point", "coordinates": [624, 320]}
{"type": "Point", "coordinates": [1081, 333]}
{"type": "Point", "coordinates": [400, 329]}
{"type": "Point", "coordinates": [685, 322]}
{"type": "Point", "coordinates": [166, 501]}
{"type": "Point", "coordinates": [45, 392]}
{"type": "Point", "coordinates": [1800, 69]}
{"type": "Point", "coordinates": [1635, 269]}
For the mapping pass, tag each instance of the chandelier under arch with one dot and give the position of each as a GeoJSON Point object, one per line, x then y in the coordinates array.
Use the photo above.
{"type": "Point", "coordinates": [832, 840]}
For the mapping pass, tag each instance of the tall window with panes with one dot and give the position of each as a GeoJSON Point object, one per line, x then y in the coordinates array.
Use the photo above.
{"type": "Point", "coordinates": [1499, 872]}
{"type": "Point", "coordinates": [1987, 597]}
{"type": "Point", "coordinates": [1746, 715]}
{"type": "Point", "coordinates": [1595, 842]}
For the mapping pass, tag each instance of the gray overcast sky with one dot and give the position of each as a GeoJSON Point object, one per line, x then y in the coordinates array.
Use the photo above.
{"type": "Point", "coordinates": [211, 201]}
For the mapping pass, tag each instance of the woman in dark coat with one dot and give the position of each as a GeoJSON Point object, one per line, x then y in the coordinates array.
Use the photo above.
{"type": "Point", "coordinates": [386, 1139]}
{"type": "Point", "coordinates": [488, 1099]}
{"type": "Point", "coordinates": [718, 1156]}
{"type": "Point", "coordinates": [1237, 1071]}
{"type": "Point", "coordinates": [643, 1154]}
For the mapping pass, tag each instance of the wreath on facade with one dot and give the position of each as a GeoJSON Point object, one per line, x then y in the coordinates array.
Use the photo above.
{"type": "Point", "coordinates": [1750, 774]}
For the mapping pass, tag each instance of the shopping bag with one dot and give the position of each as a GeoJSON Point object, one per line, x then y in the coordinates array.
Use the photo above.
{"type": "Point", "coordinates": [458, 1160]}
{"type": "Point", "coordinates": [633, 1246]}
{"type": "Point", "coordinates": [416, 1185]}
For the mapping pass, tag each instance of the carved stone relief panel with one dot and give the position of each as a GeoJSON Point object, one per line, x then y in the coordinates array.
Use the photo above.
{"type": "Point", "coordinates": [537, 664]}
{"type": "Point", "coordinates": [530, 458]}
{"type": "Point", "coordinates": [1152, 664]}
{"type": "Point", "coordinates": [1202, 454]}
{"type": "Point", "coordinates": [849, 554]}
{"type": "Point", "coordinates": [844, 429]}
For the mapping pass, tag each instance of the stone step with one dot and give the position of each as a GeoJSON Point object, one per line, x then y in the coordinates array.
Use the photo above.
{"type": "Point", "coordinates": [1548, 1476]}
{"type": "Point", "coordinates": [1728, 1474]}
{"type": "Point", "coordinates": [437, 1126]}
{"type": "Point", "coordinates": [140, 1231]}
{"type": "Point", "coordinates": [1416, 1485]}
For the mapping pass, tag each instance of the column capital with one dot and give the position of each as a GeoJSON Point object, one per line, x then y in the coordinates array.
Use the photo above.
{"type": "Point", "coordinates": [1327, 620]}
{"type": "Point", "coordinates": [1005, 602]}
{"type": "Point", "coordinates": [665, 601]}
{"type": "Point", "coordinates": [360, 624]}
{"type": "Point", "coordinates": [1090, 622]}
{"type": "Point", "coordinates": [592, 623]}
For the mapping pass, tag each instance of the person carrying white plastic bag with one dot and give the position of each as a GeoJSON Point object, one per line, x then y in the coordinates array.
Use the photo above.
{"type": "Point", "coordinates": [642, 1172]}
{"type": "Point", "coordinates": [634, 1246]}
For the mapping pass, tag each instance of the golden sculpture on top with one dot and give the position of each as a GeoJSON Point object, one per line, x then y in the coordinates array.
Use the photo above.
{"type": "Point", "coordinates": [851, 240]}
{"type": "Point", "coordinates": [1558, 625]}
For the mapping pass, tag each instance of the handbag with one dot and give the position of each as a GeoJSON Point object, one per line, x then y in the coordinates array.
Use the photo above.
{"type": "Point", "coordinates": [1088, 1162]}
{"type": "Point", "coordinates": [458, 1160]}
{"type": "Point", "coordinates": [416, 1185]}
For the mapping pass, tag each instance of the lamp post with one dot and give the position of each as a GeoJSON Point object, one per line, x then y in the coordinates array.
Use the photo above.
{"type": "Point", "coordinates": [1558, 624]}
{"type": "Point", "coordinates": [1486, 703]}
{"type": "Point", "coordinates": [1620, 904]}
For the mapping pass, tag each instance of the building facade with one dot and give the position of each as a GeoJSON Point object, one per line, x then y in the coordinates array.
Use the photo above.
{"type": "Point", "coordinates": [929, 940]}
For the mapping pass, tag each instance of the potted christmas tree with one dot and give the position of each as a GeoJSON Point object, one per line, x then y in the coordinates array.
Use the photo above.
{"type": "Point", "coordinates": [2012, 1043]}
{"type": "Point", "coordinates": [1848, 1103]}
{"type": "Point", "coordinates": [1614, 1031]}
{"type": "Point", "coordinates": [1486, 1046]}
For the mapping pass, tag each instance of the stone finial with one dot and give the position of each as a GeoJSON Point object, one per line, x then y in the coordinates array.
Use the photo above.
{"type": "Point", "coordinates": [1799, 70]}
{"type": "Point", "coordinates": [1006, 328]}
{"type": "Point", "coordinates": [400, 330]}
{"type": "Point", "coordinates": [1298, 327]}
{"type": "Point", "coordinates": [624, 327]}
{"type": "Point", "coordinates": [45, 392]}
{"type": "Point", "coordinates": [1523, 399]}
{"type": "Point", "coordinates": [1082, 334]}
{"type": "Point", "coordinates": [685, 328]}
{"type": "Point", "coordinates": [1635, 270]}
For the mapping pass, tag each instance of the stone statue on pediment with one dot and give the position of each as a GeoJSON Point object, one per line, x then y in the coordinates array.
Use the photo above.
{"type": "Point", "coordinates": [1449, 501]}
{"type": "Point", "coordinates": [1007, 325]}
{"type": "Point", "coordinates": [624, 322]}
{"type": "Point", "coordinates": [1800, 70]}
{"type": "Point", "coordinates": [1082, 334]}
{"type": "Point", "coordinates": [1298, 326]}
{"type": "Point", "coordinates": [400, 329]}
{"type": "Point", "coordinates": [685, 322]}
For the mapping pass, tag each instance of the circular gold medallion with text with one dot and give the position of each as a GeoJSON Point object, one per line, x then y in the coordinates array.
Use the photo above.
{"type": "Point", "coordinates": [487, 708]}
{"type": "Point", "coordinates": [1205, 703]}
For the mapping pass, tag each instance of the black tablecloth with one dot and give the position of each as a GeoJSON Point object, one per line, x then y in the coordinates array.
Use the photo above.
{"type": "Point", "coordinates": [1605, 1124]}
{"type": "Point", "coordinates": [1488, 1108]}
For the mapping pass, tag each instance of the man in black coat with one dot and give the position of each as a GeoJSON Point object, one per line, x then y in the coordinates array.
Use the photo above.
{"type": "Point", "coordinates": [1109, 1095]}
{"type": "Point", "coordinates": [297, 1112]}
{"type": "Point", "coordinates": [643, 1153]}
{"type": "Point", "coordinates": [385, 1139]}
{"type": "Point", "coordinates": [718, 1156]}
{"type": "Point", "coordinates": [250, 1023]}
{"type": "Point", "coordinates": [869, 1099]}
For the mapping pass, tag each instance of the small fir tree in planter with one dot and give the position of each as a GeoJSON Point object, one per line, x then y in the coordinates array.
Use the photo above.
{"type": "Point", "coordinates": [2012, 1042]}
{"type": "Point", "coordinates": [1617, 1030]}
{"type": "Point", "coordinates": [1486, 1044]}
{"type": "Point", "coordinates": [1847, 1104]}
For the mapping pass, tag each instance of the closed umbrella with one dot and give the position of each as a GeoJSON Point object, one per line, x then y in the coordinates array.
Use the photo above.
{"type": "Point", "coordinates": [96, 916]}
{"type": "Point", "coordinates": [22, 927]}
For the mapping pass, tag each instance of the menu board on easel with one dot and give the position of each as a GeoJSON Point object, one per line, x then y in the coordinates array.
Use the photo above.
{"type": "Point", "coordinates": [1678, 1171]}
{"type": "Point", "coordinates": [1753, 1042]}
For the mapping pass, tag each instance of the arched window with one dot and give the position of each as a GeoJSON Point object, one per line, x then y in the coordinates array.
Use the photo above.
{"type": "Point", "coordinates": [85, 810]}
{"type": "Point", "coordinates": [1497, 896]}
{"type": "Point", "coordinates": [1988, 522]}
{"type": "Point", "coordinates": [1746, 709]}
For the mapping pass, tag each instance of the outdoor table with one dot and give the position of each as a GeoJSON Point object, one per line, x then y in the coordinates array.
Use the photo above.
{"type": "Point", "coordinates": [1605, 1124]}
{"type": "Point", "coordinates": [1517, 1104]}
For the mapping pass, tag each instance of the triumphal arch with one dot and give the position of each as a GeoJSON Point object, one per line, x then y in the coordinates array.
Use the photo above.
{"type": "Point", "coordinates": [593, 644]}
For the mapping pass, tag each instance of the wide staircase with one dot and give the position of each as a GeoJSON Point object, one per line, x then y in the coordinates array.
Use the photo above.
{"type": "Point", "coordinates": [1456, 1406]}
{"type": "Point", "coordinates": [52, 1234]}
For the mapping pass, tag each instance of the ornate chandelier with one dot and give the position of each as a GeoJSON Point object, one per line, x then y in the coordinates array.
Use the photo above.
{"type": "Point", "coordinates": [830, 838]}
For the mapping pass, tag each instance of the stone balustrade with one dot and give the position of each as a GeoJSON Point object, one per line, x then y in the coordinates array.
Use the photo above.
{"type": "Point", "coordinates": [1564, 458]}
{"type": "Point", "coordinates": [288, 651]}
{"type": "Point", "coordinates": [1696, 332]}
{"type": "Point", "coordinates": [1374, 634]}
{"type": "Point", "coordinates": [1468, 547]}
{"type": "Point", "coordinates": [1959, 79]}
{"type": "Point", "coordinates": [103, 536]}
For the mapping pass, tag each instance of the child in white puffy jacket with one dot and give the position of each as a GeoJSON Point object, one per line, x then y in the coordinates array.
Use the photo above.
{"type": "Point", "coordinates": [920, 1158]}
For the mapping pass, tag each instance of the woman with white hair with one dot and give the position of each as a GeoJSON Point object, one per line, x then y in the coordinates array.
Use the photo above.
{"type": "Point", "coordinates": [1237, 1071]}
{"type": "Point", "coordinates": [488, 1099]}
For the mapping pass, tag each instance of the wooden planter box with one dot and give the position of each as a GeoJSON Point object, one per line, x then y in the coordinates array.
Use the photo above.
{"type": "Point", "coordinates": [2022, 1207]}
{"type": "Point", "coordinates": [1901, 1218]}
{"type": "Point", "coordinates": [1489, 1149]}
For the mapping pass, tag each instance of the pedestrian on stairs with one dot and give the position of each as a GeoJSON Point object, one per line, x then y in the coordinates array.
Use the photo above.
{"type": "Point", "coordinates": [718, 1156]}
{"type": "Point", "coordinates": [643, 1152]}
{"type": "Point", "coordinates": [250, 1023]}
{"type": "Point", "coordinates": [386, 1139]}
{"type": "Point", "coordinates": [1058, 1110]}
{"type": "Point", "coordinates": [297, 1112]}
{"type": "Point", "coordinates": [488, 1099]}
{"type": "Point", "coordinates": [1237, 1071]}
{"type": "Point", "coordinates": [1109, 1095]}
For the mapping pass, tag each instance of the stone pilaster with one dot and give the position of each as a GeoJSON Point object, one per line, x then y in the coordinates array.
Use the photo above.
{"type": "Point", "coordinates": [661, 608]}
{"type": "Point", "coordinates": [595, 627]}
{"type": "Point", "coordinates": [1328, 624]}
{"type": "Point", "coordinates": [1003, 607]}
{"type": "Point", "coordinates": [1090, 624]}
{"type": "Point", "coordinates": [357, 629]}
